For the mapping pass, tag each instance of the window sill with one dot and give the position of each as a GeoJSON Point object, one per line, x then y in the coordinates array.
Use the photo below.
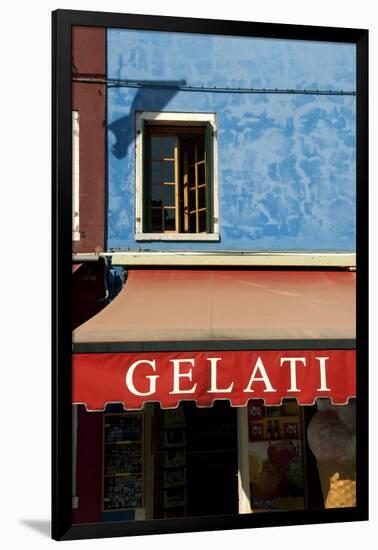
{"type": "Point", "coordinates": [177, 237]}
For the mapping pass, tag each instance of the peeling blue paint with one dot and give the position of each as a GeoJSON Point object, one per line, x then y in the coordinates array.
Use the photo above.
{"type": "Point", "coordinates": [286, 162]}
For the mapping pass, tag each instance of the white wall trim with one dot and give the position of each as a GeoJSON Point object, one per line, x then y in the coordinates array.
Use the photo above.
{"type": "Point", "coordinates": [167, 119]}
{"type": "Point", "coordinates": [226, 258]}
{"type": "Point", "coordinates": [243, 461]}
{"type": "Point", "coordinates": [173, 117]}
{"type": "Point", "coordinates": [177, 237]}
{"type": "Point", "coordinates": [75, 176]}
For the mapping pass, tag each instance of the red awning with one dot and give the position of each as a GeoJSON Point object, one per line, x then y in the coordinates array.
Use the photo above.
{"type": "Point", "coordinates": [75, 267]}
{"type": "Point", "coordinates": [229, 334]}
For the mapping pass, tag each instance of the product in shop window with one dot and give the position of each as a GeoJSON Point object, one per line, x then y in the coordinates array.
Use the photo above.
{"type": "Point", "coordinates": [332, 439]}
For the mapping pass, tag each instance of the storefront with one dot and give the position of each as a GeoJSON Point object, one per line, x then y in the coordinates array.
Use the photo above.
{"type": "Point", "coordinates": [193, 391]}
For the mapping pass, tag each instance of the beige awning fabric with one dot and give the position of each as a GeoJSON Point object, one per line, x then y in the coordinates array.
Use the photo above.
{"type": "Point", "coordinates": [166, 305]}
{"type": "Point", "coordinates": [75, 267]}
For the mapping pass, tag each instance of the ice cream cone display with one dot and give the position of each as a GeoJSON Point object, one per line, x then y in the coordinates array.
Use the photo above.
{"type": "Point", "coordinates": [332, 439]}
{"type": "Point", "coordinates": [328, 470]}
{"type": "Point", "coordinates": [342, 493]}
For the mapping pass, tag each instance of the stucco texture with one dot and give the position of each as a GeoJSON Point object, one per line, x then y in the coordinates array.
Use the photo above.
{"type": "Point", "coordinates": [286, 162]}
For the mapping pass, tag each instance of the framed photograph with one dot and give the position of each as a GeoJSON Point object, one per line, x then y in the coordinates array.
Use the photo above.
{"type": "Point", "coordinates": [256, 431]}
{"type": "Point", "coordinates": [273, 411]}
{"type": "Point", "coordinates": [210, 194]}
{"type": "Point", "coordinates": [174, 497]}
{"type": "Point", "coordinates": [173, 419]}
{"type": "Point", "coordinates": [290, 429]}
{"type": "Point", "coordinates": [174, 458]}
{"type": "Point", "coordinates": [174, 478]}
{"type": "Point", "coordinates": [256, 409]}
{"type": "Point", "coordinates": [174, 437]}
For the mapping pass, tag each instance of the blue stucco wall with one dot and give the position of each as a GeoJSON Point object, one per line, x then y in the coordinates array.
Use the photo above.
{"type": "Point", "coordinates": [286, 162]}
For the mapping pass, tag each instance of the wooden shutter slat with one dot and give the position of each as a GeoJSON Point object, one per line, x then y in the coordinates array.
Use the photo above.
{"type": "Point", "coordinates": [209, 176]}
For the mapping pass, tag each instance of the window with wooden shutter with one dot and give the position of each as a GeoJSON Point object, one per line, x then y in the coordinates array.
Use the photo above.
{"type": "Point", "coordinates": [177, 180]}
{"type": "Point", "coordinates": [176, 165]}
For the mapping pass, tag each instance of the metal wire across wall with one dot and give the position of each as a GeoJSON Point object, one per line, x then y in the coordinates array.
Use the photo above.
{"type": "Point", "coordinates": [119, 83]}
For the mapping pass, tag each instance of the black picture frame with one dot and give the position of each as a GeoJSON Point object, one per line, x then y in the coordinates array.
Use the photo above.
{"type": "Point", "coordinates": [62, 22]}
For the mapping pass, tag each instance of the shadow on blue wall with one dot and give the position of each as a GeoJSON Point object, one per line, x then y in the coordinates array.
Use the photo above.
{"type": "Point", "coordinates": [123, 127]}
{"type": "Point", "coordinates": [285, 180]}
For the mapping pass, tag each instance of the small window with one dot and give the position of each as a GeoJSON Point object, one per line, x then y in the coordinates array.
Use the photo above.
{"type": "Point", "coordinates": [175, 189]}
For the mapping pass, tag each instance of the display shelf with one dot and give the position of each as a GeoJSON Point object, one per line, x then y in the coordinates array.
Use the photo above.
{"type": "Point", "coordinates": [130, 442]}
{"type": "Point", "coordinates": [170, 465]}
{"type": "Point", "coordinates": [286, 427]}
{"type": "Point", "coordinates": [123, 476]}
{"type": "Point", "coordinates": [276, 467]}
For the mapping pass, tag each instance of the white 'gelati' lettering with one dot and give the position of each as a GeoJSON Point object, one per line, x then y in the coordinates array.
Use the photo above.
{"type": "Point", "coordinates": [177, 375]}
{"type": "Point", "coordinates": [323, 373]}
{"type": "Point", "coordinates": [213, 377]}
{"type": "Point", "coordinates": [152, 377]}
{"type": "Point", "coordinates": [259, 367]}
{"type": "Point", "coordinates": [293, 370]}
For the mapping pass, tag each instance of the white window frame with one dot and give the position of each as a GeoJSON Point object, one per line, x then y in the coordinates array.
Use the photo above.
{"type": "Point", "coordinates": [243, 461]}
{"type": "Point", "coordinates": [75, 176]}
{"type": "Point", "coordinates": [174, 119]}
